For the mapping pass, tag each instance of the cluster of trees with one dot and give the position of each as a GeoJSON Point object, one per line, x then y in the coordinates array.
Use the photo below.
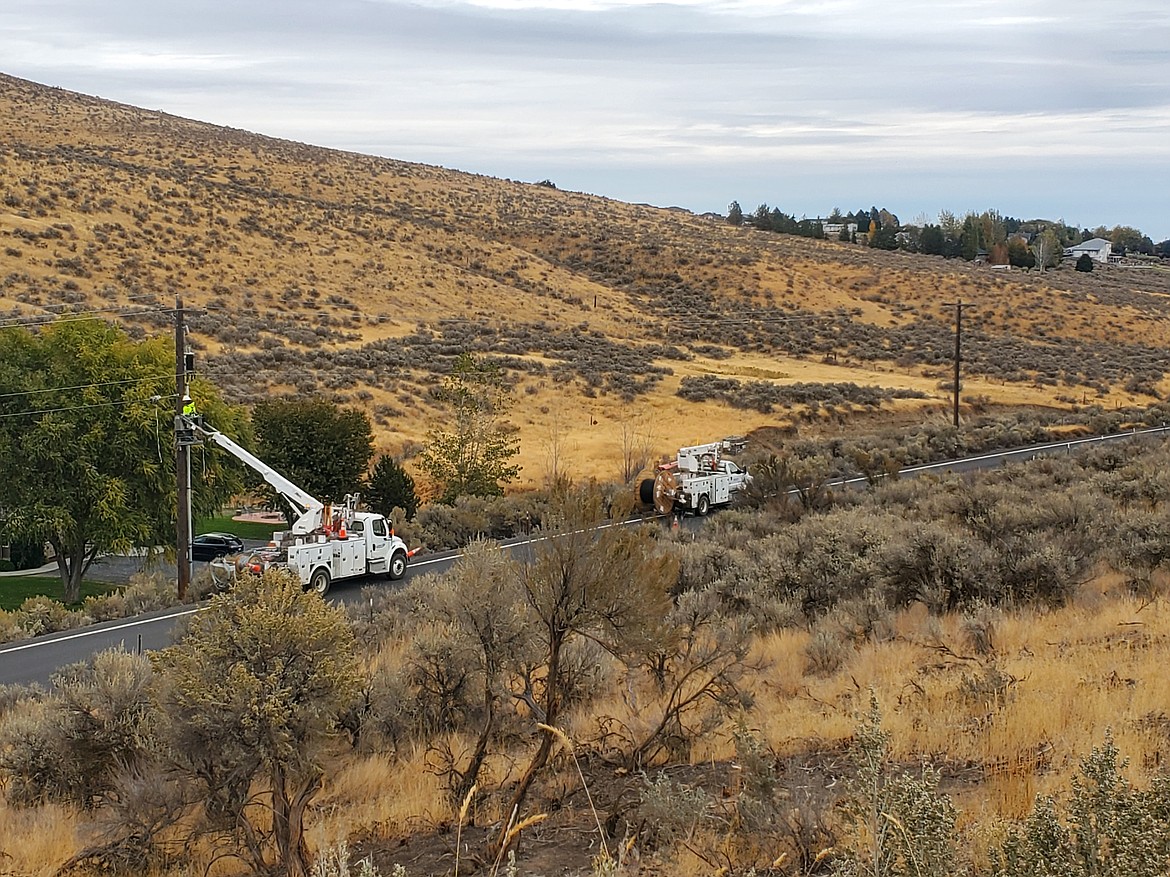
{"type": "Point", "coordinates": [768, 218]}
{"type": "Point", "coordinates": [1005, 239]}
{"type": "Point", "coordinates": [86, 437]}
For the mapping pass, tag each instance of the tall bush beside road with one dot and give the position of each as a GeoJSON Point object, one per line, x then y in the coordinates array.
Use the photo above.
{"type": "Point", "coordinates": [253, 693]}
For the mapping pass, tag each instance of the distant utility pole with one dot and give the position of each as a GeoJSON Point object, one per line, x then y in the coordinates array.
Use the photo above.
{"type": "Point", "coordinates": [959, 305]}
{"type": "Point", "coordinates": [182, 458]}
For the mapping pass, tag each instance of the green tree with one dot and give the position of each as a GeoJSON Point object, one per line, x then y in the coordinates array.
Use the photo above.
{"type": "Point", "coordinates": [931, 241]}
{"type": "Point", "coordinates": [86, 443]}
{"type": "Point", "coordinates": [1085, 263]}
{"type": "Point", "coordinates": [320, 446]}
{"type": "Point", "coordinates": [473, 457]}
{"type": "Point", "coordinates": [885, 238]}
{"type": "Point", "coordinates": [1019, 255]}
{"type": "Point", "coordinates": [971, 237]}
{"type": "Point", "coordinates": [253, 693]}
{"type": "Point", "coordinates": [390, 486]}
{"type": "Point", "coordinates": [734, 213]}
{"type": "Point", "coordinates": [1129, 240]}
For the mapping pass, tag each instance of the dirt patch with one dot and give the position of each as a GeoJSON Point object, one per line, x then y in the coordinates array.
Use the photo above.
{"type": "Point", "coordinates": [260, 517]}
{"type": "Point", "coordinates": [566, 843]}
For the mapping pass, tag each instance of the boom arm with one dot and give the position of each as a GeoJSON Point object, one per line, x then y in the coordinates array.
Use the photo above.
{"type": "Point", "coordinates": [309, 507]}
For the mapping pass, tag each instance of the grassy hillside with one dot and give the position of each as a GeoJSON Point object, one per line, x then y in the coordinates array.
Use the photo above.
{"type": "Point", "coordinates": [359, 277]}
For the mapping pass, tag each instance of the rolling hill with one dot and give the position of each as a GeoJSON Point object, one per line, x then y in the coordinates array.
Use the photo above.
{"type": "Point", "coordinates": [310, 270]}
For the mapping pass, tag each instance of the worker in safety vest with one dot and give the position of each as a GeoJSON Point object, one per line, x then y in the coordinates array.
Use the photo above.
{"type": "Point", "coordinates": [188, 406]}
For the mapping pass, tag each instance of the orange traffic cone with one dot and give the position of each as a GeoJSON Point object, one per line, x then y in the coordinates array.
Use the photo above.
{"type": "Point", "coordinates": [341, 533]}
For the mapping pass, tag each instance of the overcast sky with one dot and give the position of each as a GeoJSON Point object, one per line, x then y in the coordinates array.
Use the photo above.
{"type": "Point", "coordinates": [1037, 109]}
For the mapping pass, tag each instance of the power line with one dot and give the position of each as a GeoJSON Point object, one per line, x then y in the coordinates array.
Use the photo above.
{"type": "Point", "coordinates": [85, 386]}
{"type": "Point", "coordinates": [64, 313]}
{"type": "Point", "coordinates": [82, 317]}
{"type": "Point", "coordinates": [156, 399]}
{"type": "Point", "coordinates": [67, 304]}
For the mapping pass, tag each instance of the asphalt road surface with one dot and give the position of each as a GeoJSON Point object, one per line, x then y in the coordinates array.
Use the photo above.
{"type": "Point", "coordinates": [35, 660]}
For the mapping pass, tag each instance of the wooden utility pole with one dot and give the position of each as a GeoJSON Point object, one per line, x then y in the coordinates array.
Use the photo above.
{"type": "Point", "coordinates": [959, 305]}
{"type": "Point", "coordinates": [182, 459]}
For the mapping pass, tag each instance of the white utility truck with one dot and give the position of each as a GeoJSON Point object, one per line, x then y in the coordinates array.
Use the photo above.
{"type": "Point", "coordinates": [698, 479]}
{"type": "Point", "coordinates": [325, 543]}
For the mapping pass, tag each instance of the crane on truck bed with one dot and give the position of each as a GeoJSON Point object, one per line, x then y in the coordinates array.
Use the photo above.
{"type": "Point", "coordinates": [325, 543]}
{"type": "Point", "coordinates": [698, 479]}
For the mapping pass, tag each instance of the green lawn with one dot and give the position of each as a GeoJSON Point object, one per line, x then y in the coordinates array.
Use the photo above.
{"type": "Point", "coordinates": [14, 590]}
{"type": "Point", "coordinates": [243, 529]}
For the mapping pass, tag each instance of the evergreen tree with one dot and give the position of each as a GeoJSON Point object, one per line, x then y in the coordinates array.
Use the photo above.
{"type": "Point", "coordinates": [1085, 263]}
{"type": "Point", "coordinates": [390, 486]}
{"type": "Point", "coordinates": [762, 218]}
{"type": "Point", "coordinates": [734, 214]}
{"type": "Point", "coordinates": [884, 238]}
{"type": "Point", "coordinates": [931, 241]}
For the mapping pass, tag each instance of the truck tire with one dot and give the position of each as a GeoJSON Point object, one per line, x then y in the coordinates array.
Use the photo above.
{"type": "Point", "coordinates": [646, 491]}
{"type": "Point", "coordinates": [397, 566]}
{"type": "Point", "coordinates": [703, 506]}
{"type": "Point", "coordinates": [319, 581]}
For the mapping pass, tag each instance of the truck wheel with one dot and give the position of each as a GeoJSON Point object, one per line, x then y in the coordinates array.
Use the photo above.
{"type": "Point", "coordinates": [319, 581]}
{"type": "Point", "coordinates": [397, 566]}
{"type": "Point", "coordinates": [704, 505]}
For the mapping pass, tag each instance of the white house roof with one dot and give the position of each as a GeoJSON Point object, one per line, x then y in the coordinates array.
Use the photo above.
{"type": "Point", "coordinates": [1096, 245]}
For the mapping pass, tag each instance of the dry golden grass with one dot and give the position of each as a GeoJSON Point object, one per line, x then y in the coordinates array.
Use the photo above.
{"type": "Point", "coordinates": [102, 204]}
{"type": "Point", "coordinates": [1001, 727]}
{"type": "Point", "coordinates": [36, 841]}
{"type": "Point", "coordinates": [1066, 677]}
{"type": "Point", "coordinates": [381, 794]}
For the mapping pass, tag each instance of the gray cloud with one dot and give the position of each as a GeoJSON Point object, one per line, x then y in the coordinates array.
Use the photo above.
{"type": "Point", "coordinates": [917, 105]}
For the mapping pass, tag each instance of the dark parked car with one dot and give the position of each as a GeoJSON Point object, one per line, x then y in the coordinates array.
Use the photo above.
{"type": "Point", "coordinates": [208, 546]}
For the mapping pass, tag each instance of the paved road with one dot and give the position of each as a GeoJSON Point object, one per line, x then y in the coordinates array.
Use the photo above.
{"type": "Point", "coordinates": [35, 660]}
